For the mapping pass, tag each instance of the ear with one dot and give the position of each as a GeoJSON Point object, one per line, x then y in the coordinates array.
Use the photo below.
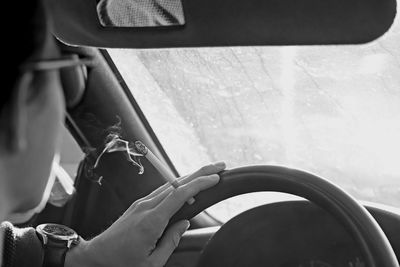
{"type": "Point", "coordinates": [17, 115]}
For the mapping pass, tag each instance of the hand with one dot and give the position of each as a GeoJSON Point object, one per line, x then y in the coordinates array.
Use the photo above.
{"type": "Point", "coordinates": [139, 237]}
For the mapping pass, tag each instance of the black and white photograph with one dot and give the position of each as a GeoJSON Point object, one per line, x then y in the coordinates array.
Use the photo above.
{"type": "Point", "coordinates": [200, 133]}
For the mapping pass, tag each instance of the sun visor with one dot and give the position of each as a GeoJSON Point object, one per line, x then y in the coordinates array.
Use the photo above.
{"type": "Point", "coordinates": [209, 23]}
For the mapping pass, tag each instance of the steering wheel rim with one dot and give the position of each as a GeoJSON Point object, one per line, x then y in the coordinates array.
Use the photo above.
{"type": "Point", "coordinates": [365, 230]}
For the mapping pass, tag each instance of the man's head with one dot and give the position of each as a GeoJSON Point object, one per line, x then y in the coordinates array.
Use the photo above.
{"type": "Point", "coordinates": [31, 109]}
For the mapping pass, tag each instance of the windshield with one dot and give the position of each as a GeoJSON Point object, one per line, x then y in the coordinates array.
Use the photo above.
{"type": "Point", "coordinates": [330, 110]}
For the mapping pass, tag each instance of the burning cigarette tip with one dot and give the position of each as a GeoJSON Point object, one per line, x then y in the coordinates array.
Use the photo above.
{"type": "Point", "coordinates": [141, 148]}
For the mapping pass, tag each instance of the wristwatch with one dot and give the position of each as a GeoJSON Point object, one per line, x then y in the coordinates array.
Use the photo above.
{"type": "Point", "coordinates": [57, 239]}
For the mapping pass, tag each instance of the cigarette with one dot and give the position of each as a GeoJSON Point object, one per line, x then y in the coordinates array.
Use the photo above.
{"type": "Point", "coordinates": [162, 169]}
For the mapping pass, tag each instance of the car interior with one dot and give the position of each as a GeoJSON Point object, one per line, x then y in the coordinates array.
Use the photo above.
{"type": "Point", "coordinates": [321, 221]}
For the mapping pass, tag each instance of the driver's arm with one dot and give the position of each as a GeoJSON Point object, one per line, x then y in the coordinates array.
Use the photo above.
{"type": "Point", "coordinates": [21, 247]}
{"type": "Point", "coordinates": [139, 237]}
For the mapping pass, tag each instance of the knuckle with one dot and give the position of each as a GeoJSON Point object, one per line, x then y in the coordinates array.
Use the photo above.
{"type": "Point", "coordinates": [140, 205]}
{"type": "Point", "coordinates": [133, 209]}
{"type": "Point", "coordinates": [135, 204]}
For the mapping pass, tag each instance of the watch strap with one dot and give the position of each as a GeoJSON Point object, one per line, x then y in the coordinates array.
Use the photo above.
{"type": "Point", "coordinates": [54, 254]}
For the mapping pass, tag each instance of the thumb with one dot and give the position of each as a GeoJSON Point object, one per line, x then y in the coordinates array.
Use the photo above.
{"type": "Point", "coordinates": [169, 242]}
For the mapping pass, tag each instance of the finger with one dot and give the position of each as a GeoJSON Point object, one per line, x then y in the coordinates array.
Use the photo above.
{"type": "Point", "coordinates": [153, 199]}
{"type": "Point", "coordinates": [147, 201]}
{"type": "Point", "coordinates": [162, 188]}
{"type": "Point", "coordinates": [175, 200]}
{"type": "Point", "coordinates": [169, 242]}
{"type": "Point", "coordinates": [207, 170]}
{"type": "Point", "coordinates": [203, 171]}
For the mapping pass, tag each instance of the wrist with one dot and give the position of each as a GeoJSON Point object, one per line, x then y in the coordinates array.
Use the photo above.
{"type": "Point", "coordinates": [80, 255]}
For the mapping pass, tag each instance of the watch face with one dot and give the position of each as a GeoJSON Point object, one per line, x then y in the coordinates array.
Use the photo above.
{"type": "Point", "coordinates": [54, 229]}
{"type": "Point", "coordinates": [57, 231]}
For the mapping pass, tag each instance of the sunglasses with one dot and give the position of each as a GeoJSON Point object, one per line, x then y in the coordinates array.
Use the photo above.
{"type": "Point", "coordinates": [73, 74]}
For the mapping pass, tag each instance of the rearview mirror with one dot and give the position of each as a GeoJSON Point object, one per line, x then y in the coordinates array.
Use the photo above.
{"type": "Point", "coordinates": [230, 23]}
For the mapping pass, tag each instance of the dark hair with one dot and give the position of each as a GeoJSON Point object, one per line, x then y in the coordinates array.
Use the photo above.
{"type": "Point", "coordinates": [23, 34]}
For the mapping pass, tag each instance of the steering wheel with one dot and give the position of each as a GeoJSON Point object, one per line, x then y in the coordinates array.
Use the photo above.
{"type": "Point", "coordinates": [373, 243]}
